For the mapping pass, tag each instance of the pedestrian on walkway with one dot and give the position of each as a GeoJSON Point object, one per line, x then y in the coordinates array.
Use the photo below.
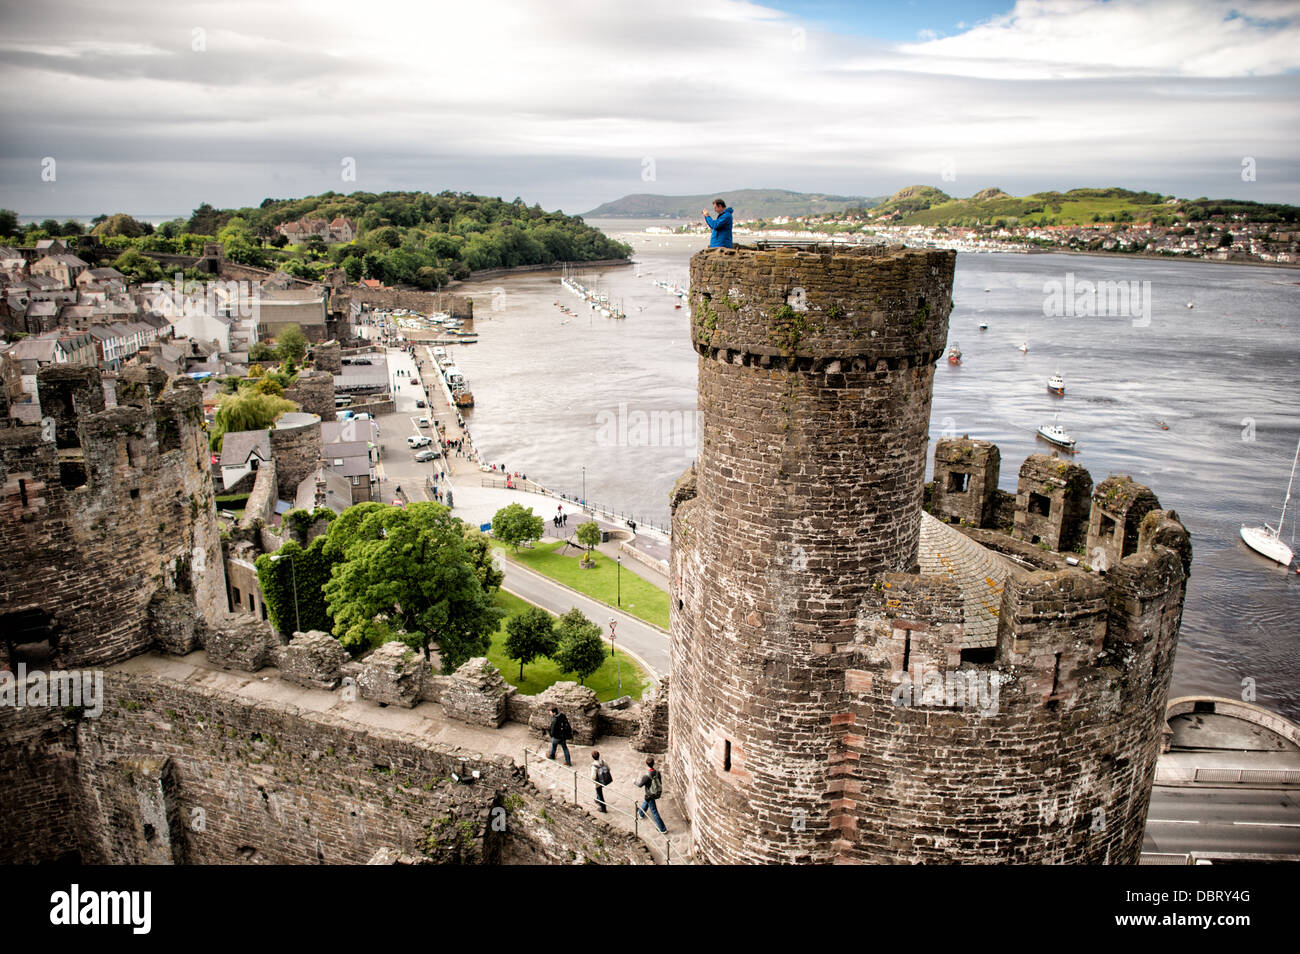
{"type": "Point", "coordinates": [561, 732]}
{"type": "Point", "coordinates": [602, 776]}
{"type": "Point", "coordinates": [653, 783]}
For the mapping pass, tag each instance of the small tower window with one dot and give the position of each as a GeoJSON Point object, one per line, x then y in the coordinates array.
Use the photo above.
{"type": "Point", "coordinates": [726, 756]}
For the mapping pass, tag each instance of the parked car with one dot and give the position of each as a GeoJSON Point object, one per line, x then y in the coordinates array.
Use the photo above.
{"type": "Point", "coordinates": [426, 455]}
{"type": "Point", "coordinates": [419, 403]}
{"type": "Point", "coordinates": [418, 440]}
{"type": "Point", "coordinates": [424, 422]}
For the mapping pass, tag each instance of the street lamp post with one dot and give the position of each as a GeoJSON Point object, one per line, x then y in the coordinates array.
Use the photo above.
{"type": "Point", "coordinates": [618, 663]}
{"type": "Point", "coordinates": [293, 570]}
{"type": "Point", "coordinates": [618, 563]}
{"type": "Point", "coordinates": [584, 486]}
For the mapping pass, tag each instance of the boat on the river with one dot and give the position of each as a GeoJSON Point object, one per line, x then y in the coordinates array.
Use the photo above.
{"type": "Point", "coordinates": [954, 354]}
{"type": "Point", "coordinates": [1267, 540]}
{"type": "Point", "coordinates": [1056, 385]}
{"type": "Point", "coordinates": [1055, 434]}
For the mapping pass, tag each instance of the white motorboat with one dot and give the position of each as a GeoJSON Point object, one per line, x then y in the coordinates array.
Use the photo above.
{"type": "Point", "coordinates": [1268, 540]}
{"type": "Point", "coordinates": [1024, 346]}
{"type": "Point", "coordinates": [1056, 384]}
{"type": "Point", "coordinates": [1055, 434]}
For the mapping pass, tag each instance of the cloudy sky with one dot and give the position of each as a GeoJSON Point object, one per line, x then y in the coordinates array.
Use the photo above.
{"type": "Point", "coordinates": [154, 107]}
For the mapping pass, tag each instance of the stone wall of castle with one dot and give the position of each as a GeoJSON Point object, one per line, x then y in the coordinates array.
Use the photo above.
{"type": "Point", "coordinates": [173, 772]}
{"type": "Point", "coordinates": [100, 511]}
{"type": "Point", "coordinates": [296, 449]}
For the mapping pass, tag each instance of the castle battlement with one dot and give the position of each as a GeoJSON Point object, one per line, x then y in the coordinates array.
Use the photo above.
{"type": "Point", "coordinates": [104, 508]}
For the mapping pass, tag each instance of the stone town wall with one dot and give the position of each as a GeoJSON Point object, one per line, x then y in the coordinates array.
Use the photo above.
{"type": "Point", "coordinates": [313, 391]}
{"type": "Point", "coordinates": [458, 306]}
{"type": "Point", "coordinates": [118, 506]}
{"type": "Point", "coordinates": [38, 776]}
{"type": "Point", "coordinates": [297, 452]}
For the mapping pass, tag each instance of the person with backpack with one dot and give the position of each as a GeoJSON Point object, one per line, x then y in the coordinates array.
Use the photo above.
{"type": "Point", "coordinates": [653, 783]}
{"type": "Point", "coordinates": [561, 732]}
{"type": "Point", "coordinates": [602, 776]}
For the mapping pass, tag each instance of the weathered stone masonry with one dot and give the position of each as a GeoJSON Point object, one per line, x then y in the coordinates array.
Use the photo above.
{"type": "Point", "coordinates": [798, 620]}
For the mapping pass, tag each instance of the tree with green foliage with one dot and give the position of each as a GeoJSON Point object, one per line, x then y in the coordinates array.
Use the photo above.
{"type": "Point", "coordinates": [406, 575]}
{"type": "Point", "coordinates": [530, 634]}
{"type": "Point", "coordinates": [291, 343]}
{"type": "Point", "coordinates": [8, 222]}
{"type": "Point", "coordinates": [262, 351]}
{"type": "Point", "coordinates": [247, 411]}
{"type": "Point", "coordinates": [137, 266]}
{"type": "Point", "coordinates": [481, 558]}
{"type": "Point", "coordinates": [514, 524]}
{"type": "Point", "coordinates": [581, 651]}
{"type": "Point", "coordinates": [121, 224]}
{"type": "Point", "coordinates": [588, 535]}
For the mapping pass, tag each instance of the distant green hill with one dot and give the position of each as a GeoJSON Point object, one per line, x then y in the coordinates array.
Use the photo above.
{"type": "Point", "coordinates": [925, 205]}
{"type": "Point", "coordinates": [748, 203]}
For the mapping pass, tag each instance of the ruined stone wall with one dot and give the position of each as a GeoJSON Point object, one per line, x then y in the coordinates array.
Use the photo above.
{"type": "Point", "coordinates": [458, 306]}
{"type": "Point", "coordinates": [116, 507]}
{"type": "Point", "coordinates": [327, 356]}
{"type": "Point", "coordinates": [816, 371]}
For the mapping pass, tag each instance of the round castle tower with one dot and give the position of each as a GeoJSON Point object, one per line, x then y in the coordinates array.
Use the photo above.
{"type": "Point", "coordinates": [816, 370]}
{"type": "Point", "coordinates": [832, 704]}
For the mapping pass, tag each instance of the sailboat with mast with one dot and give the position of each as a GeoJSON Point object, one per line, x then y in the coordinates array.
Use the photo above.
{"type": "Point", "coordinates": [1268, 540]}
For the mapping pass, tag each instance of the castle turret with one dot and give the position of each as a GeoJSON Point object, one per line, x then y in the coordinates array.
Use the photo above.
{"type": "Point", "coordinates": [816, 369]}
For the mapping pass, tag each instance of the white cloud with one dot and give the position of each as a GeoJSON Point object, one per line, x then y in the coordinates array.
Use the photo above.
{"type": "Point", "coordinates": [559, 103]}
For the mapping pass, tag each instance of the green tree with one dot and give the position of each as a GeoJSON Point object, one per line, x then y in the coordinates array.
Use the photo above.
{"type": "Point", "coordinates": [530, 634]}
{"type": "Point", "coordinates": [121, 224]}
{"type": "Point", "coordinates": [8, 222]}
{"type": "Point", "coordinates": [588, 535]}
{"type": "Point", "coordinates": [261, 351]}
{"type": "Point", "coordinates": [291, 343]}
{"type": "Point", "coordinates": [515, 524]}
{"type": "Point", "coordinates": [353, 268]}
{"type": "Point", "coordinates": [581, 651]}
{"type": "Point", "coordinates": [247, 411]}
{"type": "Point", "coordinates": [52, 227]}
{"type": "Point", "coordinates": [406, 575]}
{"type": "Point", "coordinates": [137, 266]}
{"type": "Point", "coordinates": [481, 558]}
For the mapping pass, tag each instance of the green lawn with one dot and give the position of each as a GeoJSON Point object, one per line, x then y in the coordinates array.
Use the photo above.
{"type": "Point", "coordinates": [541, 673]}
{"type": "Point", "coordinates": [640, 598]}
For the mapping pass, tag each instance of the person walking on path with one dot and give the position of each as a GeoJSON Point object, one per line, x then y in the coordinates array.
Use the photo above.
{"type": "Point", "coordinates": [602, 776]}
{"type": "Point", "coordinates": [653, 783]}
{"type": "Point", "coordinates": [561, 732]}
{"type": "Point", "coordinates": [721, 225]}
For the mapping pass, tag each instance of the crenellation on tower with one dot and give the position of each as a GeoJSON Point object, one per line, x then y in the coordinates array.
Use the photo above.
{"type": "Point", "coordinates": [1119, 504]}
{"type": "Point", "coordinates": [1052, 502]}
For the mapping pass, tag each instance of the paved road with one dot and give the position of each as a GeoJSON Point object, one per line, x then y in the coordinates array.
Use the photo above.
{"type": "Point", "coordinates": [650, 645]}
{"type": "Point", "coordinates": [1204, 818]}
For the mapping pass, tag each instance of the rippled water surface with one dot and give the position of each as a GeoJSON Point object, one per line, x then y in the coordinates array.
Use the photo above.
{"type": "Point", "coordinates": [559, 394]}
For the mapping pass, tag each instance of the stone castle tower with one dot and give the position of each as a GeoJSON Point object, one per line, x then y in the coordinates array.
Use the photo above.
{"type": "Point", "coordinates": [855, 680]}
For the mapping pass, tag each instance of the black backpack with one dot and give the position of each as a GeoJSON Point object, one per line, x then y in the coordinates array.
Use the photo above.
{"type": "Point", "coordinates": [562, 728]}
{"type": "Point", "coordinates": [656, 786]}
{"type": "Point", "coordinates": [603, 775]}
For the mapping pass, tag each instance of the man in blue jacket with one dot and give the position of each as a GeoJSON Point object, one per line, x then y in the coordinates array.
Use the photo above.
{"type": "Point", "coordinates": [721, 225]}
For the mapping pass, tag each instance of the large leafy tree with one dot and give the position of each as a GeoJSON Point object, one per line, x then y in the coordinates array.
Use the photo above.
{"type": "Point", "coordinates": [291, 343]}
{"type": "Point", "coordinates": [515, 524]}
{"type": "Point", "coordinates": [530, 634]}
{"type": "Point", "coordinates": [581, 651]}
{"type": "Point", "coordinates": [407, 574]}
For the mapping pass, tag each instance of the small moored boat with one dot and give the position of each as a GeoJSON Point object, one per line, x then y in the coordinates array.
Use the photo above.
{"type": "Point", "coordinates": [1055, 434]}
{"type": "Point", "coordinates": [1268, 540]}
{"type": "Point", "coordinates": [1056, 385]}
{"type": "Point", "coordinates": [954, 355]}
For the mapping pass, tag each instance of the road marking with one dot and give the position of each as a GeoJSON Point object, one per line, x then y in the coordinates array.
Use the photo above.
{"type": "Point", "coordinates": [1269, 824]}
{"type": "Point", "coordinates": [1173, 821]}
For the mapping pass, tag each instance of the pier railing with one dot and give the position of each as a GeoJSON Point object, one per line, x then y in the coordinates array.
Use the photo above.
{"type": "Point", "coordinates": [596, 509]}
